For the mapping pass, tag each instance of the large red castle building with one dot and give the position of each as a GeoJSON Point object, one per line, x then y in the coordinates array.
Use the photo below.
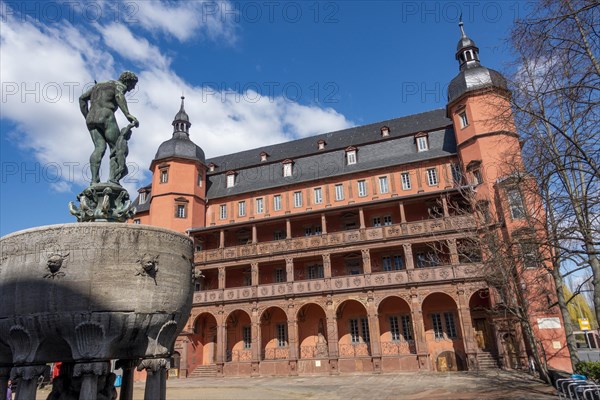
{"type": "Point", "coordinates": [339, 252]}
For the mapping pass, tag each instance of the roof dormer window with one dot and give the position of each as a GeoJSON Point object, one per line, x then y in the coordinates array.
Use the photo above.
{"type": "Point", "coordinates": [263, 156]}
{"type": "Point", "coordinates": [287, 168]}
{"type": "Point", "coordinates": [322, 144]}
{"type": "Point", "coordinates": [351, 155]}
{"type": "Point", "coordinates": [211, 167]}
{"type": "Point", "coordinates": [385, 131]}
{"type": "Point", "coordinates": [230, 179]}
{"type": "Point", "coordinates": [422, 141]}
{"type": "Point", "coordinates": [143, 197]}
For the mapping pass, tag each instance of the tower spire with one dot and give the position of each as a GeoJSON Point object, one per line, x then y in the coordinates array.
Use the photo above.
{"type": "Point", "coordinates": [181, 123]}
{"type": "Point", "coordinates": [461, 26]}
{"type": "Point", "coordinates": [467, 52]}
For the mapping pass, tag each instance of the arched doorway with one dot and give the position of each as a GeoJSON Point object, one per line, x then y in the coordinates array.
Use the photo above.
{"type": "Point", "coordinates": [396, 327]}
{"type": "Point", "coordinates": [204, 340]}
{"type": "Point", "coordinates": [239, 337]}
{"type": "Point", "coordinates": [312, 331]}
{"type": "Point", "coordinates": [353, 330]}
{"type": "Point", "coordinates": [274, 334]}
{"type": "Point", "coordinates": [443, 333]}
{"type": "Point", "coordinates": [479, 307]}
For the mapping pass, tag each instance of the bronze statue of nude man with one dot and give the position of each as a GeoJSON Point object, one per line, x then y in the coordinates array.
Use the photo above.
{"type": "Point", "coordinates": [104, 99]}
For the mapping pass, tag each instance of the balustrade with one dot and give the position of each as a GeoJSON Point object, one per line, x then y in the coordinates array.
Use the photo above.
{"type": "Point", "coordinates": [335, 239]}
{"type": "Point", "coordinates": [341, 283]}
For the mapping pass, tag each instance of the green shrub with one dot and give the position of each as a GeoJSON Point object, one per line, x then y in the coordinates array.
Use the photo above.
{"type": "Point", "coordinates": [591, 369]}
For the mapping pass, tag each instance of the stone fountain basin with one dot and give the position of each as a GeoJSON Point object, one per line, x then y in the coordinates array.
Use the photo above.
{"type": "Point", "coordinates": [77, 292]}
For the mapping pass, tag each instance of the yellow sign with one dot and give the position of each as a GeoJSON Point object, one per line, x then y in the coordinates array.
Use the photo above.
{"type": "Point", "coordinates": [584, 324]}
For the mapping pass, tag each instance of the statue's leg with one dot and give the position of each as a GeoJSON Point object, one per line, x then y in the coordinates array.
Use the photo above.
{"type": "Point", "coordinates": [112, 136]}
{"type": "Point", "coordinates": [96, 157]}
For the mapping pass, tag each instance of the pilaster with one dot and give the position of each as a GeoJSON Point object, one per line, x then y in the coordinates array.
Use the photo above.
{"type": "Point", "coordinates": [408, 255]}
{"type": "Point", "coordinates": [366, 259]}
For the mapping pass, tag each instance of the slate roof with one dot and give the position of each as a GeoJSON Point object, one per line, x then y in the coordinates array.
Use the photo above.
{"type": "Point", "coordinates": [356, 136]}
{"type": "Point", "coordinates": [179, 146]}
{"type": "Point", "coordinates": [475, 78]}
{"type": "Point", "coordinates": [373, 152]}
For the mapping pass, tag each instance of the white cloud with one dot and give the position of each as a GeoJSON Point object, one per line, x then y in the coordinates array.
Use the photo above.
{"type": "Point", "coordinates": [185, 20]}
{"type": "Point", "coordinates": [66, 57]}
{"type": "Point", "coordinates": [138, 50]}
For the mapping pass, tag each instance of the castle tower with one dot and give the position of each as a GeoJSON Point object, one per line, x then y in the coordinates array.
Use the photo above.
{"type": "Point", "coordinates": [178, 179]}
{"type": "Point", "coordinates": [479, 106]}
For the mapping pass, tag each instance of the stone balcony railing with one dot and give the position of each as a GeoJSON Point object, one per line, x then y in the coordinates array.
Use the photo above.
{"type": "Point", "coordinates": [429, 226]}
{"type": "Point", "coordinates": [340, 283]}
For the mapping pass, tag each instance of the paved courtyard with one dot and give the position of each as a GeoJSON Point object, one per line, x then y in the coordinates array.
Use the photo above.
{"type": "Point", "coordinates": [406, 386]}
{"type": "Point", "coordinates": [402, 386]}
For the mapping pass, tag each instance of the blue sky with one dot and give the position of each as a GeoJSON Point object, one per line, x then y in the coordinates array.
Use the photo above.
{"type": "Point", "coordinates": [253, 73]}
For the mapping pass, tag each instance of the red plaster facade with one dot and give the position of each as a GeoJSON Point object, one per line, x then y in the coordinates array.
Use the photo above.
{"type": "Point", "coordinates": [370, 281]}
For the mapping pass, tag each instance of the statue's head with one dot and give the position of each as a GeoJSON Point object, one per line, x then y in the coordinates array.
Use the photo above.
{"type": "Point", "coordinates": [129, 79]}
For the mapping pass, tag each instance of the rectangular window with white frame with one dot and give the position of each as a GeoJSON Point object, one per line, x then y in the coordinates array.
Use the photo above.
{"type": "Point", "coordinates": [241, 209]}
{"type": "Point", "coordinates": [464, 121]}
{"type": "Point", "coordinates": [277, 202]}
{"type": "Point", "coordinates": [260, 205]}
{"type": "Point", "coordinates": [278, 235]}
{"type": "Point", "coordinates": [351, 157]}
{"type": "Point", "coordinates": [223, 211]}
{"type": "Point", "coordinates": [181, 211]}
{"type": "Point", "coordinates": [376, 221]}
{"type": "Point", "coordinates": [339, 192]}
{"type": "Point", "coordinates": [387, 220]}
{"type": "Point", "coordinates": [354, 332]}
{"type": "Point", "coordinates": [287, 169]}
{"type": "Point", "coordinates": [281, 335]}
{"type": "Point", "coordinates": [297, 199]}
{"type": "Point", "coordinates": [143, 197]}
{"type": "Point", "coordinates": [318, 195]}
{"type": "Point", "coordinates": [406, 327]}
{"type": "Point", "coordinates": [164, 175]}
{"type": "Point", "coordinates": [432, 177]}
{"type": "Point", "coordinates": [457, 175]}
{"type": "Point", "coordinates": [383, 185]}
{"type": "Point", "coordinates": [405, 176]}
{"type": "Point", "coordinates": [515, 203]}
{"type": "Point", "coordinates": [438, 330]}
{"type": "Point", "coordinates": [394, 328]}
{"type": "Point", "coordinates": [362, 188]}
{"type": "Point", "coordinates": [450, 325]}
{"type": "Point", "coordinates": [230, 180]}
{"type": "Point", "coordinates": [247, 337]}
{"type": "Point", "coordinates": [422, 143]}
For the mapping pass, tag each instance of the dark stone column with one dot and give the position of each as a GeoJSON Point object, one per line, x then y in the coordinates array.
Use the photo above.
{"type": "Point", "coordinates": [89, 373]}
{"type": "Point", "coordinates": [156, 377]}
{"type": "Point", "coordinates": [26, 378]}
{"type": "Point", "coordinates": [127, 381]}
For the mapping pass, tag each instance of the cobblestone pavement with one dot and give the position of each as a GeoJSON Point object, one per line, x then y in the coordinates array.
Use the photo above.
{"type": "Point", "coordinates": [494, 384]}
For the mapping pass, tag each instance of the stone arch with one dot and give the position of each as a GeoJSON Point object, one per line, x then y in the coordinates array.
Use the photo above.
{"type": "Point", "coordinates": [443, 333]}
{"type": "Point", "coordinates": [238, 336]}
{"type": "Point", "coordinates": [396, 327]}
{"type": "Point", "coordinates": [267, 308]}
{"type": "Point", "coordinates": [195, 318]}
{"type": "Point", "coordinates": [312, 331]}
{"type": "Point", "coordinates": [204, 338]}
{"type": "Point", "coordinates": [479, 307]}
{"type": "Point", "coordinates": [353, 329]}
{"type": "Point", "coordinates": [274, 333]}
